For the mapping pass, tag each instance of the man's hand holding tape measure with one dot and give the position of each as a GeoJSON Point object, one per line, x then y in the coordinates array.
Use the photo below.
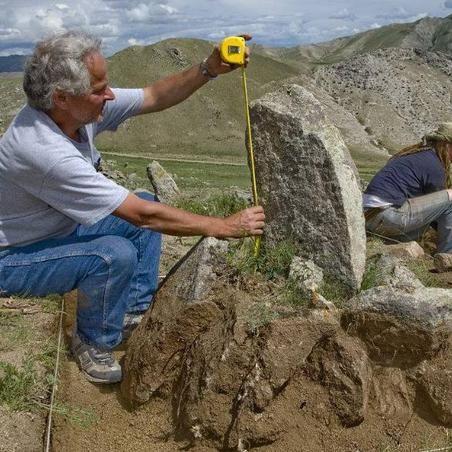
{"type": "Point", "coordinates": [230, 54]}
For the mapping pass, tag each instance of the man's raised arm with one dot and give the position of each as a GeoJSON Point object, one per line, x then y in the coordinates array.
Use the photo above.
{"type": "Point", "coordinates": [175, 88]}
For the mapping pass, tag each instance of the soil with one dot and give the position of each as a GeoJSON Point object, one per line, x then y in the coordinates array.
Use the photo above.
{"type": "Point", "coordinates": [300, 384]}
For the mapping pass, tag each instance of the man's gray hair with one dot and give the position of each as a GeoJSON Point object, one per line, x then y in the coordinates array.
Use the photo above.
{"type": "Point", "coordinates": [58, 63]}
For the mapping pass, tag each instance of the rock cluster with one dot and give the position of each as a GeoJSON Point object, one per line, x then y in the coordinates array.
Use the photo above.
{"type": "Point", "coordinates": [233, 388]}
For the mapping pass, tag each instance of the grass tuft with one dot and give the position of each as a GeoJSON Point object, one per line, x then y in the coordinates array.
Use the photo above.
{"type": "Point", "coordinates": [334, 291]}
{"type": "Point", "coordinates": [259, 315]}
{"type": "Point", "coordinates": [421, 268]}
{"type": "Point", "coordinates": [17, 386]}
{"type": "Point", "coordinates": [217, 205]}
{"type": "Point", "coordinates": [272, 261]}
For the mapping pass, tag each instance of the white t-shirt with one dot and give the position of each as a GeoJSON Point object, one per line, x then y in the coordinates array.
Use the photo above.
{"type": "Point", "coordinates": [48, 183]}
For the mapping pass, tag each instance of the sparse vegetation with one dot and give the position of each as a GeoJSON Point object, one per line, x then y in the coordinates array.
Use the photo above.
{"type": "Point", "coordinates": [421, 268]}
{"type": "Point", "coordinates": [18, 386]}
{"type": "Point", "coordinates": [272, 261]}
{"type": "Point", "coordinates": [259, 315]}
{"type": "Point", "coordinates": [334, 291]}
{"type": "Point", "coordinates": [220, 205]}
{"type": "Point", "coordinates": [292, 295]}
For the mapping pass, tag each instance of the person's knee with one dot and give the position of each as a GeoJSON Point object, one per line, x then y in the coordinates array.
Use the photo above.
{"type": "Point", "coordinates": [119, 252]}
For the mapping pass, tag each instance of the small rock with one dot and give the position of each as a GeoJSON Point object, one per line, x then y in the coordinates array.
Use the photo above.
{"type": "Point", "coordinates": [443, 262]}
{"type": "Point", "coordinates": [340, 365]}
{"type": "Point", "coordinates": [307, 275]}
{"type": "Point", "coordinates": [408, 250]}
{"type": "Point", "coordinates": [319, 302]}
{"type": "Point", "coordinates": [163, 184]}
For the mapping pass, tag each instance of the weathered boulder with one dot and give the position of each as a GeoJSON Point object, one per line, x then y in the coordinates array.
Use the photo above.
{"type": "Point", "coordinates": [307, 276]}
{"type": "Point", "coordinates": [179, 314]}
{"type": "Point", "coordinates": [401, 327]}
{"type": "Point", "coordinates": [408, 250]}
{"type": "Point", "coordinates": [443, 262]}
{"type": "Point", "coordinates": [164, 185]}
{"type": "Point", "coordinates": [386, 270]}
{"type": "Point", "coordinates": [308, 183]}
{"type": "Point", "coordinates": [341, 365]}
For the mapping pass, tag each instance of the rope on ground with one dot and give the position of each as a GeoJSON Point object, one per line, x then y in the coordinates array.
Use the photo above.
{"type": "Point", "coordinates": [55, 379]}
{"type": "Point", "coordinates": [383, 237]}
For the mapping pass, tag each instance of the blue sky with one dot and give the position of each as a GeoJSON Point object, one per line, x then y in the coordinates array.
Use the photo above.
{"type": "Point", "coordinates": [122, 23]}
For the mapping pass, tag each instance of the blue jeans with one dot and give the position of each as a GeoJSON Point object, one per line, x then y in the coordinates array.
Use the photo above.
{"type": "Point", "coordinates": [414, 217]}
{"type": "Point", "coordinates": [113, 264]}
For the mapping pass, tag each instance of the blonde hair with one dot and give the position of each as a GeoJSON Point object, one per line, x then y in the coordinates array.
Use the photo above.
{"type": "Point", "coordinates": [439, 146]}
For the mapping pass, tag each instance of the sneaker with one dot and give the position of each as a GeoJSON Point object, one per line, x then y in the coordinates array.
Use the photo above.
{"type": "Point", "coordinates": [131, 321]}
{"type": "Point", "coordinates": [97, 366]}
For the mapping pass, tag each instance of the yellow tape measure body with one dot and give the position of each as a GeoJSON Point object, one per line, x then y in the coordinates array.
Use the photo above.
{"type": "Point", "coordinates": [232, 51]}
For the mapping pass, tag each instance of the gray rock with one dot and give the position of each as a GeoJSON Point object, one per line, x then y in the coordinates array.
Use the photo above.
{"type": "Point", "coordinates": [196, 271]}
{"type": "Point", "coordinates": [306, 274]}
{"type": "Point", "coordinates": [308, 183]}
{"type": "Point", "coordinates": [408, 250]}
{"type": "Point", "coordinates": [443, 262]}
{"type": "Point", "coordinates": [400, 327]}
{"type": "Point", "coordinates": [344, 369]}
{"type": "Point", "coordinates": [390, 272]}
{"type": "Point", "coordinates": [165, 187]}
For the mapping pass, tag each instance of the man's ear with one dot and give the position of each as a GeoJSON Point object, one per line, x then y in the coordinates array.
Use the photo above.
{"type": "Point", "coordinates": [60, 99]}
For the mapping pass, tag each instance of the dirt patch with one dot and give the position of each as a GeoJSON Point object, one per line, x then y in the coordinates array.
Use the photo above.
{"type": "Point", "coordinates": [27, 328]}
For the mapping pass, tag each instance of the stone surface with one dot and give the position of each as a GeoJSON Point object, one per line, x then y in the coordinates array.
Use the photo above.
{"type": "Point", "coordinates": [197, 269]}
{"type": "Point", "coordinates": [165, 187]}
{"type": "Point", "coordinates": [408, 250]}
{"type": "Point", "coordinates": [443, 262]}
{"type": "Point", "coordinates": [306, 274]}
{"type": "Point", "coordinates": [400, 326]}
{"type": "Point", "coordinates": [308, 183]}
{"type": "Point", "coordinates": [435, 385]}
{"type": "Point", "coordinates": [343, 367]}
{"type": "Point", "coordinates": [389, 271]}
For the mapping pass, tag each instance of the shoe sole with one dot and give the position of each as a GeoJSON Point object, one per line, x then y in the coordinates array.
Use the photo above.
{"type": "Point", "coordinates": [92, 379]}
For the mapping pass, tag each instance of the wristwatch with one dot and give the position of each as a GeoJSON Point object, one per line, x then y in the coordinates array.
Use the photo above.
{"type": "Point", "coordinates": [204, 68]}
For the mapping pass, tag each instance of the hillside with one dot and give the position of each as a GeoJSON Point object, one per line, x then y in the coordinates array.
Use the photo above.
{"type": "Point", "coordinates": [12, 63]}
{"type": "Point", "coordinates": [428, 34]}
{"type": "Point", "coordinates": [396, 94]}
{"type": "Point", "coordinates": [211, 122]}
{"type": "Point", "coordinates": [382, 88]}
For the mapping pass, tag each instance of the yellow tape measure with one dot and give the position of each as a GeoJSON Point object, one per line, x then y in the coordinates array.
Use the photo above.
{"type": "Point", "coordinates": [232, 51]}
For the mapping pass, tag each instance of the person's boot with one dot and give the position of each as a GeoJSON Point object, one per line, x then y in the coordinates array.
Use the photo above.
{"type": "Point", "coordinates": [97, 366]}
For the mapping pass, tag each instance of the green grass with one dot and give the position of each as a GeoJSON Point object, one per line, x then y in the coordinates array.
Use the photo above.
{"type": "Point", "coordinates": [272, 262]}
{"type": "Point", "coordinates": [18, 386]}
{"type": "Point", "coordinates": [421, 268]}
{"type": "Point", "coordinates": [188, 176]}
{"type": "Point", "coordinates": [292, 295]}
{"type": "Point", "coordinates": [14, 329]}
{"type": "Point", "coordinates": [334, 291]}
{"type": "Point", "coordinates": [220, 205]}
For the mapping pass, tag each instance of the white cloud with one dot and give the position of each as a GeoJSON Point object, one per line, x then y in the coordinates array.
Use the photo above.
{"type": "Point", "coordinates": [272, 22]}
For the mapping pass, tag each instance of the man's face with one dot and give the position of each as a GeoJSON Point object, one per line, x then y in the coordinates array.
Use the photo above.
{"type": "Point", "coordinates": [88, 107]}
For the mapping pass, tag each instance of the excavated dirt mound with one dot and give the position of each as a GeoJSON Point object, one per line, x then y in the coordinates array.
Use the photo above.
{"type": "Point", "coordinates": [300, 381]}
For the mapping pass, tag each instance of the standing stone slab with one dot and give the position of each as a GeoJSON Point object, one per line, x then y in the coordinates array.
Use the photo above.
{"type": "Point", "coordinates": [164, 186]}
{"type": "Point", "coordinates": [308, 183]}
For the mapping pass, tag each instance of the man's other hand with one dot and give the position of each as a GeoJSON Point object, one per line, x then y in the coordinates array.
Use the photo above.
{"type": "Point", "coordinates": [244, 223]}
{"type": "Point", "coordinates": [216, 66]}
